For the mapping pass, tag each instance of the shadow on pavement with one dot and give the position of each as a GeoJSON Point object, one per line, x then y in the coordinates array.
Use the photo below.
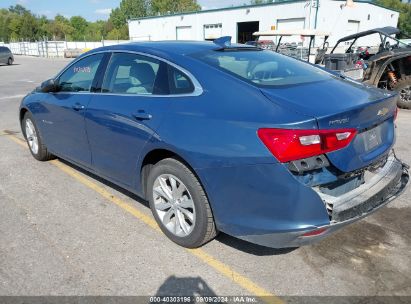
{"type": "Point", "coordinates": [187, 286]}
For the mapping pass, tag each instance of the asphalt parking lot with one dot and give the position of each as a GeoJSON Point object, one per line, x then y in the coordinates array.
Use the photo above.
{"type": "Point", "coordinates": [64, 232]}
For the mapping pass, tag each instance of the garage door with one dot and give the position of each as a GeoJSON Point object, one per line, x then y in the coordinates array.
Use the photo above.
{"type": "Point", "coordinates": [183, 33]}
{"type": "Point", "coordinates": [353, 27]}
{"type": "Point", "coordinates": [212, 31]}
{"type": "Point", "coordinates": [291, 24]}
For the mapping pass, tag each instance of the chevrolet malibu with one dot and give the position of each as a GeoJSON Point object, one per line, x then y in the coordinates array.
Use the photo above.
{"type": "Point", "coordinates": [222, 137]}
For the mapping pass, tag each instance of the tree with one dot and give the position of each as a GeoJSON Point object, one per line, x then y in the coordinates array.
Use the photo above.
{"type": "Point", "coordinates": [4, 21]}
{"type": "Point", "coordinates": [42, 27]}
{"type": "Point", "coordinates": [17, 22]}
{"type": "Point", "coordinates": [96, 30]}
{"type": "Point", "coordinates": [170, 6]}
{"type": "Point", "coordinates": [114, 34]}
{"type": "Point", "coordinates": [19, 10]}
{"type": "Point", "coordinates": [60, 28]}
{"type": "Point", "coordinates": [79, 25]}
{"type": "Point", "coordinates": [14, 26]}
{"type": "Point", "coordinates": [128, 9]}
{"type": "Point", "coordinates": [404, 21]}
{"type": "Point", "coordinates": [29, 27]}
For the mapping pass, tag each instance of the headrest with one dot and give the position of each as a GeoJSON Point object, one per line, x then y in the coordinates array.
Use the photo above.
{"type": "Point", "coordinates": [143, 72]}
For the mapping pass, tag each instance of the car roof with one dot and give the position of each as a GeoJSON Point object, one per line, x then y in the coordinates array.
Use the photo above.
{"type": "Point", "coordinates": [172, 47]}
{"type": "Point", "coordinates": [387, 31]}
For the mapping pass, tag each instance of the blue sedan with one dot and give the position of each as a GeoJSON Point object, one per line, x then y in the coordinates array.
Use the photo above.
{"type": "Point", "coordinates": [222, 137]}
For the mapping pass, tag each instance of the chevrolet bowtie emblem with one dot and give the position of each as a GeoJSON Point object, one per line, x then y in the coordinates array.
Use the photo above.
{"type": "Point", "coordinates": [383, 112]}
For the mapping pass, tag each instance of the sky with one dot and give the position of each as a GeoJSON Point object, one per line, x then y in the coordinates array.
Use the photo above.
{"type": "Point", "coordinates": [93, 9]}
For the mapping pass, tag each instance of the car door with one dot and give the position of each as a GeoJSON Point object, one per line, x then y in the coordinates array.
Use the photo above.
{"type": "Point", "coordinates": [62, 114]}
{"type": "Point", "coordinates": [2, 54]}
{"type": "Point", "coordinates": [121, 119]}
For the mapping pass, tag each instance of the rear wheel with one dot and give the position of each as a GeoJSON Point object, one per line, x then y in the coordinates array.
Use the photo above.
{"type": "Point", "coordinates": [34, 140]}
{"type": "Point", "coordinates": [10, 61]}
{"type": "Point", "coordinates": [179, 204]}
{"type": "Point", "coordinates": [403, 87]}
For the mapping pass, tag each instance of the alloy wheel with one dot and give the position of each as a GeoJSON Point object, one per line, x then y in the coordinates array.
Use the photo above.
{"type": "Point", "coordinates": [31, 136]}
{"type": "Point", "coordinates": [174, 205]}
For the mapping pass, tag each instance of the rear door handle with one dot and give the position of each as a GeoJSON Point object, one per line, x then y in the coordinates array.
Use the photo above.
{"type": "Point", "coordinates": [141, 115]}
{"type": "Point", "coordinates": [78, 107]}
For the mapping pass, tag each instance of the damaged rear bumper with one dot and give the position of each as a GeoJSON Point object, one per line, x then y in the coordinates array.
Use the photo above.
{"type": "Point", "coordinates": [385, 185]}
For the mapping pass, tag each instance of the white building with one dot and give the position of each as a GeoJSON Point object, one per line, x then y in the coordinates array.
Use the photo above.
{"type": "Point", "coordinates": [340, 18]}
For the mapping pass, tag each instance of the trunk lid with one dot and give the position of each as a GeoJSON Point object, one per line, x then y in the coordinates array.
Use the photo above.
{"type": "Point", "coordinates": [339, 104]}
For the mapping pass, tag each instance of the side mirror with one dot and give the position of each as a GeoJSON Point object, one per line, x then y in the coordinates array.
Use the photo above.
{"type": "Point", "coordinates": [48, 86]}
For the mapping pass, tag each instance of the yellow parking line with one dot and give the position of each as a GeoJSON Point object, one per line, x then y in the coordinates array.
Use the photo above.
{"type": "Point", "coordinates": [217, 265]}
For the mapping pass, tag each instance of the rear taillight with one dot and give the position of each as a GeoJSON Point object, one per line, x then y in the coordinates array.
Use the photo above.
{"type": "Point", "coordinates": [288, 145]}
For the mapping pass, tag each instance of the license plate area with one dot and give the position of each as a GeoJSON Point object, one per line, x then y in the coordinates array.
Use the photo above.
{"type": "Point", "coordinates": [372, 138]}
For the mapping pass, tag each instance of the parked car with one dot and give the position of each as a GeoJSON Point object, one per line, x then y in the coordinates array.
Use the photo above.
{"type": "Point", "coordinates": [222, 137]}
{"type": "Point", "coordinates": [387, 66]}
{"type": "Point", "coordinates": [6, 56]}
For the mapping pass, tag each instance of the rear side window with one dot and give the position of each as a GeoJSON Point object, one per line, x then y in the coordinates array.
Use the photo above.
{"type": "Point", "coordinates": [135, 74]}
{"type": "Point", "coordinates": [263, 68]}
{"type": "Point", "coordinates": [79, 76]}
{"type": "Point", "coordinates": [179, 82]}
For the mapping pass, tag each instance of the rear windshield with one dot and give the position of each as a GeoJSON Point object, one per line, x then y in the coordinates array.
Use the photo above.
{"type": "Point", "coordinates": [263, 68]}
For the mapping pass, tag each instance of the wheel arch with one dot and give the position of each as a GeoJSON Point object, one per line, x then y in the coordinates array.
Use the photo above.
{"type": "Point", "coordinates": [22, 112]}
{"type": "Point", "coordinates": [383, 66]}
{"type": "Point", "coordinates": [154, 156]}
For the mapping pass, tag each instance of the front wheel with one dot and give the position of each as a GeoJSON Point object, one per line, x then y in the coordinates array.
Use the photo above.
{"type": "Point", "coordinates": [179, 204]}
{"type": "Point", "coordinates": [10, 61]}
{"type": "Point", "coordinates": [34, 140]}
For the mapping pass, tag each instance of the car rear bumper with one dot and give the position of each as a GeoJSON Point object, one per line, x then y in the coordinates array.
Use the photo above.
{"type": "Point", "coordinates": [387, 184]}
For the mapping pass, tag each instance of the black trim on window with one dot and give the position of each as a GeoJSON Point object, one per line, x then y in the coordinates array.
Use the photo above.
{"type": "Point", "coordinates": [101, 71]}
{"type": "Point", "coordinates": [161, 84]}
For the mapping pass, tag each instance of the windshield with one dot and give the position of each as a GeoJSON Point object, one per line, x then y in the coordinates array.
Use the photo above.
{"type": "Point", "coordinates": [263, 68]}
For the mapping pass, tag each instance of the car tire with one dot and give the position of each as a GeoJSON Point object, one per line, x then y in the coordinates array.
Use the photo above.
{"type": "Point", "coordinates": [10, 61]}
{"type": "Point", "coordinates": [403, 87]}
{"type": "Point", "coordinates": [189, 194]}
{"type": "Point", "coordinates": [34, 139]}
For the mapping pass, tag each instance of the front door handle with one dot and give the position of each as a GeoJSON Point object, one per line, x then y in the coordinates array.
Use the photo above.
{"type": "Point", "coordinates": [78, 107]}
{"type": "Point", "coordinates": [141, 115]}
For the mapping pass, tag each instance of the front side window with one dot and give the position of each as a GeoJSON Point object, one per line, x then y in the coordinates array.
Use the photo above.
{"type": "Point", "coordinates": [79, 76]}
{"type": "Point", "coordinates": [263, 68]}
{"type": "Point", "coordinates": [135, 74]}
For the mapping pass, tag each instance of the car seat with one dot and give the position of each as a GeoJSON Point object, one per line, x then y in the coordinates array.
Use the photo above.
{"type": "Point", "coordinates": [142, 78]}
